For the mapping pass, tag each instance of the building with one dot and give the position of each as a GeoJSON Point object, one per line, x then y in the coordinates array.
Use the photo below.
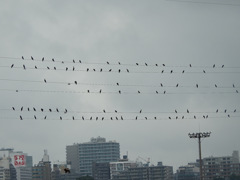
{"type": "Point", "coordinates": [101, 171]}
{"type": "Point", "coordinates": [7, 170]}
{"type": "Point", "coordinates": [188, 172]}
{"type": "Point", "coordinates": [82, 155]}
{"type": "Point", "coordinates": [42, 171]}
{"type": "Point", "coordinates": [158, 172]}
{"type": "Point", "coordinates": [58, 173]}
{"type": "Point", "coordinates": [221, 167]}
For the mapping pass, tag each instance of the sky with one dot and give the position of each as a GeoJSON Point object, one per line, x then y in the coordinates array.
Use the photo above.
{"type": "Point", "coordinates": [198, 41]}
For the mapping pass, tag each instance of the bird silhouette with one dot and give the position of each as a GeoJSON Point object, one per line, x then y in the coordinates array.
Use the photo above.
{"type": "Point", "coordinates": [111, 118]}
{"type": "Point", "coordinates": [73, 68]}
{"type": "Point", "coordinates": [116, 118]}
{"type": "Point", "coordinates": [65, 111]}
{"type": "Point", "coordinates": [171, 71]}
{"type": "Point", "coordinates": [88, 91]}
{"type": "Point", "coordinates": [222, 66]}
{"type": "Point", "coordinates": [204, 71]}
{"type": "Point", "coordinates": [225, 110]}
{"type": "Point", "coordinates": [24, 67]}
{"type": "Point", "coordinates": [21, 118]}
{"type": "Point", "coordinates": [110, 70]}
{"type": "Point", "coordinates": [197, 85]}
{"type": "Point", "coordinates": [107, 62]}
{"type": "Point", "coordinates": [140, 111]}
{"type": "Point", "coordinates": [57, 110]}
{"type": "Point", "coordinates": [50, 110]}
{"type": "Point", "coordinates": [146, 118]}
{"type": "Point", "coordinates": [214, 66]}
{"type": "Point", "coordinates": [28, 109]}
{"type": "Point", "coordinates": [87, 69]}
{"type": "Point", "coordinates": [236, 91]}
{"type": "Point", "coordinates": [157, 92]}
{"type": "Point", "coordinates": [34, 109]}
{"type": "Point", "coordinates": [48, 67]}
{"type": "Point", "coordinates": [187, 111]}
{"type": "Point", "coordinates": [203, 116]}
{"type": "Point", "coordinates": [115, 111]}
{"type": "Point", "coordinates": [60, 117]}
{"type": "Point", "coordinates": [94, 69]}
{"type": "Point", "coordinates": [121, 118]}
{"type": "Point", "coordinates": [190, 65]}
{"type": "Point", "coordinates": [22, 58]}
{"type": "Point", "coordinates": [53, 60]}
{"type": "Point", "coordinates": [164, 92]}
{"type": "Point", "coordinates": [73, 118]}
{"type": "Point", "coordinates": [183, 71]}
{"type": "Point", "coordinates": [182, 117]}
{"type": "Point", "coordinates": [163, 64]}
{"type": "Point", "coordinates": [234, 110]}
{"type": "Point", "coordinates": [102, 118]}
{"type": "Point", "coordinates": [233, 86]}
{"type": "Point", "coordinates": [73, 61]}
{"type": "Point", "coordinates": [21, 108]}
{"type": "Point", "coordinates": [127, 70]}
{"type": "Point", "coordinates": [45, 80]}
{"type": "Point", "coordinates": [156, 64]}
{"type": "Point", "coordinates": [12, 65]}
{"type": "Point", "coordinates": [119, 63]}
{"type": "Point", "coordinates": [101, 70]}
{"type": "Point", "coordinates": [176, 117]}
{"type": "Point", "coordinates": [100, 91]}
{"type": "Point", "coordinates": [177, 85]}
{"type": "Point", "coordinates": [32, 58]}
{"type": "Point", "coordinates": [194, 117]}
{"type": "Point", "coordinates": [136, 118]}
{"type": "Point", "coordinates": [75, 82]}
{"type": "Point", "coordinates": [80, 61]}
{"type": "Point", "coordinates": [104, 111]}
{"type": "Point", "coordinates": [146, 64]}
{"type": "Point", "coordinates": [117, 84]}
{"type": "Point", "coordinates": [66, 68]}
{"type": "Point", "coordinates": [13, 108]}
{"type": "Point", "coordinates": [169, 117]}
{"type": "Point", "coordinates": [162, 71]}
{"type": "Point", "coordinates": [119, 70]}
{"type": "Point", "coordinates": [155, 118]}
{"type": "Point", "coordinates": [138, 92]}
{"type": "Point", "coordinates": [45, 117]}
{"type": "Point", "coordinates": [82, 118]}
{"type": "Point", "coordinates": [119, 92]}
{"type": "Point", "coordinates": [90, 118]}
{"type": "Point", "coordinates": [215, 85]}
{"type": "Point", "coordinates": [217, 111]}
{"type": "Point", "coordinates": [161, 84]}
{"type": "Point", "coordinates": [43, 59]}
{"type": "Point", "coordinates": [96, 118]}
{"type": "Point", "coordinates": [175, 111]}
{"type": "Point", "coordinates": [137, 64]}
{"type": "Point", "coordinates": [42, 109]}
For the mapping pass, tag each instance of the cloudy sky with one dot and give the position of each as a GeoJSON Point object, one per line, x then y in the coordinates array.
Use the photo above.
{"type": "Point", "coordinates": [203, 34]}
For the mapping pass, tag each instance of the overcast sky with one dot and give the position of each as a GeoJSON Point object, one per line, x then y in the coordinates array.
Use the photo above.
{"type": "Point", "coordinates": [174, 33]}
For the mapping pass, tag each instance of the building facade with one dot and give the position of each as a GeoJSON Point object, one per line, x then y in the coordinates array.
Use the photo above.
{"type": "Point", "coordinates": [81, 156]}
{"type": "Point", "coordinates": [188, 172]}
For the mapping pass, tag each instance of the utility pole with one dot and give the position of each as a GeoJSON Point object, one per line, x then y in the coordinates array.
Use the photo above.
{"type": "Point", "coordinates": [199, 136]}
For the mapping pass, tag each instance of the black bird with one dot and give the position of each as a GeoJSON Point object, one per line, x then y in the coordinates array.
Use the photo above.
{"type": "Point", "coordinates": [194, 117]}
{"type": "Point", "coordinates": [110, 70]}
{"type": "Point", "coordinates": [45, 80]}
{"type": "Point", "coordinates": [35, 67]}
{"type": "Point", "coordinates": [163, 64]}
{"type": "Point", "coordinates": [65, 111]}
{"type": "Point", "coordinates": [48, 67]}
{"type": "Point", "coordinates": [57, 110]}
{"type": "Point", "coordinates": [101, 70]}
{"type": "Point", "coordinates": [34, 108]}
{"type": "Point", "coordinates": [235, 110]}
{"type": "Point", "coordinates": [190, 65]}
{"type": "Point", "coordinates": [42, 109]}
{"type": "Point", "coordinates": [214, 66]}
{"type": "Point", "coordinates": [236, 91]}
{"type": "Point", "coordinates": [225, 110]}
{"type": "Point", "coordinates": [155, 118]}
{"type": "Point", "coordinates": [73, 117]}
{"type": "Point", "coordinates": [146, 118]}
{"type": "Point", "coordinates": [204, 71]}
{"type": "Point", "coordinates": [21, 108]}
{"type": "Point", "coordinates": [119, 92]}
{"type": "Point", "coordinates": [82, 118]}
{"type": "Point", "coordinates": [53, 60]}
{"type": "Point", "coordinates": [96, 118]}
{"type": "Point", "coordinates": [32, 58]}
{"type": "Point", "coordinates": [233, 86]}
{"type": "Point", "coordinates": [12, 65]}
{"type": "Point", "coordinates": [35, 117]}
{"type": "Point", "coordinates": [111, 118]}
{"type": "Point", "coordinates": [115, 111]}
{"type": "Point", "coordinates": [157, 92]}
{"type": "Point", "coordinates": [28, 109]}
{"type": "Point", "coordinates": [60, 117]}
{"type": "Point", "coordinates": [13, 108]}
{"type": "Point", "coordinates": [119, 70]}
{"type": "Point", "coordinates": [80, 61]}
{"type": "Point", "coordinates": [73, 61]}
{"type": "Point", "coordinates": [136, 118]}
{"type": "Point", "coordinates": [203, 116]}
{"type": "Point", "coordinates": [176, 117]}
{"type": "Point", "coordinates": [117, 84]}
{"type": "Point", "coordinates": [138, 92]}
{"type": "Point", "coordinates": [24, 67]}
{"type": "Point", "coordinates": [104, 111]}
{"type": "Point", "coordinates": [127, 70]}
{"type": "Point", "coordinates": [121, 118]}
{"type": "Point", "coordinates": [94, 69]}
{"type": "Point", "coordinates": [222, 66]}
{"type": "Point", "coordinates": [187, 111]}
{"type": "Point", "coordinates": [175, 111]}
{"type": "Point", "coordinates": [171, 71]}
{"type": "Point", "coordinates": [87, 69]}
{"type": "Point", "coordinates": [90, 118]}
{"type": "Point", "coordinates": [164, 92]}
{"type": "Point", "coordinates": [183, 71]}
{"type": "Point", "coordinates": [88, 91]}
{"type": "Point", "coordinates": [45, 117]}
{"type": "Point", "coordinates": [177, 85]}
{"type": "Point", "coordinates": [156, 64]}
{"type": "Point", "coordinates": [215, 85]}
{"type": "Point", "coordinates": [217, 111]}
{"type": "Point", "coordinates": [119, 63]}
{"type": "Point", "coordinates": [50, 110]}
{"type": "Point", "coordinates": [182, 117]}
{"type": "Point", "coordinates": [75, 82]}
{"type": "Point", "coordinates": [116, 118]}
{"type": "Point", "coordinates": [73, 68]}
{"type": "Point", "coordinates": [206, 116]}
{"type": "Point", "coordinates": [43, 59]}
{"type": "Point", "coordinates": [169, 117]}
{"type": "Point", "coordinates": [66, 68]}
{"type": "Point", "coordinates": [100, 91]}
{"type": "Point", "coordinates": [137, 64]}
{"type": "Point", "coordinates": [22, 57]}
{"type": "Point", "coordinates": [162, 71]}
{"type": "Point", "coordinates": [107, 62]}
{"type": "Point", "coordinates": [146, 64]}
{"type": "Point", "coordinates": [197, 85]}
{"type": "Point", "coordinates": [140, 111]}
{"type": "Point", "coordinates": [21, 118]}
{"type": "Point", "coordinates": [102, 118]}
{"type": "Point", "coordinates": [161, 85]}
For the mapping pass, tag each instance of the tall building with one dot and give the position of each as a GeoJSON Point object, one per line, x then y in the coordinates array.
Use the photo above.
{"type": "Point", "coordinates": [7, 170]}
{"type": "Point", "coordinates": [188, 172]}
{"type": "Point", "coordinates": [221, 167]}
{"type": "Point", "coordinates": [82, 155]}
{"type": "Point", "coordinates": [42, 171]}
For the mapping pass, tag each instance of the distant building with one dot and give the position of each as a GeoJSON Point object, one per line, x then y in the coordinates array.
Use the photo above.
{"type": "Point", "coordinates": [101, 171]}
{"type": "Point", "coordinates": [188, 172]}
{"type": "Point", "coordinates": [221, 167]}
{"type": "Point", "coordinates": [58, 173]}
{"type": "Point", "coordinates": [159, 172]}
{"type": "Point", "coordinates": [82, 155]}
{"type": "Point", "coordinates": [42, 171]}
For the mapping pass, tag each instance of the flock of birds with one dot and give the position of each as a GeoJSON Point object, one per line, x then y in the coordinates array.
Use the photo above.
{"type": "Point", "coordinates": [182, 115]}
{"type": "Point", "coordinates": [73, 68]}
